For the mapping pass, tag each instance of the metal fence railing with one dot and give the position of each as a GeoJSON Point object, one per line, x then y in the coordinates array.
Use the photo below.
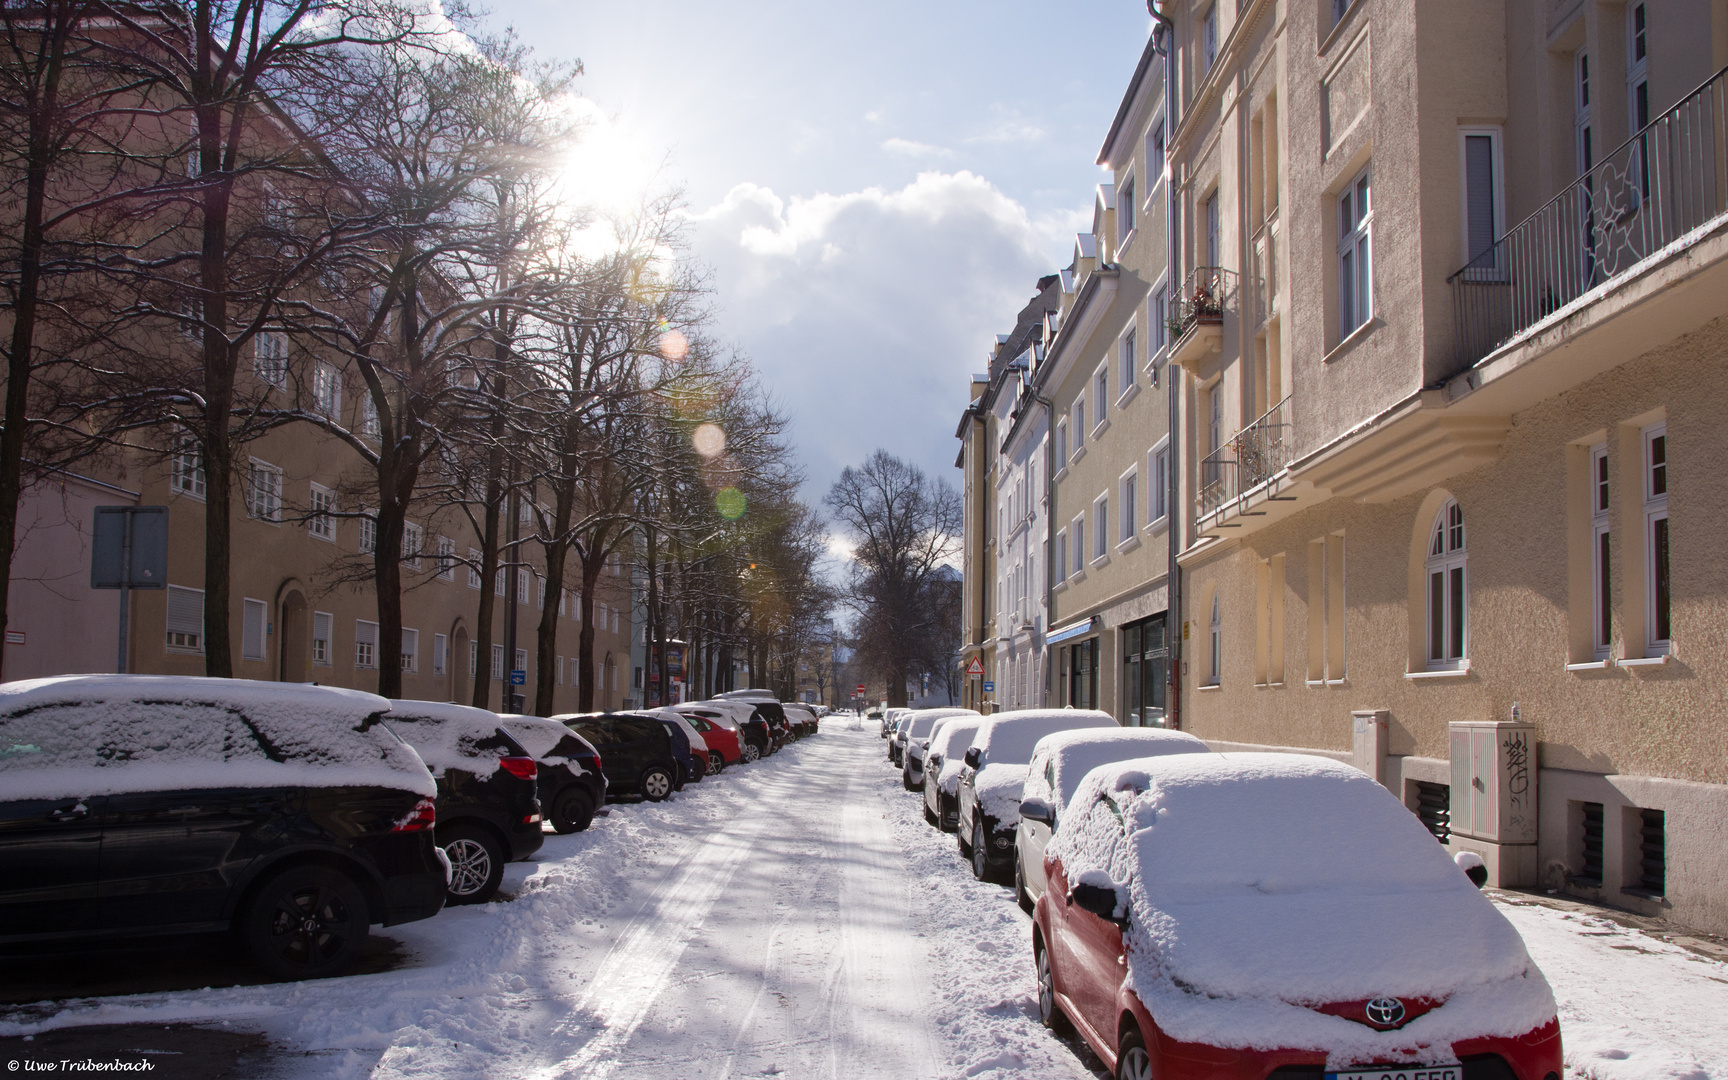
{"type": "Point", "coordinates": [1205, 292]}
{"type": "Point", "coordinates": [1253, 456]}
{"type": "Point", "coordinates": [1666, 180]}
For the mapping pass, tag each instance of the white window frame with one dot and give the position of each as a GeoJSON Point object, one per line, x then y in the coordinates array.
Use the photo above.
{"type": "Point", "coordinates": [413, 539]}
{"type": "Point", "coordinates": [440, 654]}
{"type": "Point", "coordinates": [1061, 555]}
{"type": "Point", "coordinates": [1654, 440]}
{"type": "Point", "coordinates": [1077, 530]}
{"type": "Point", "coordinates": [1158, 482]}
{"type": "Point", "coordinates": [186, 468]}
{"type": "Point", "coordinates": [1062, 443]}
{"type": "Point", "coordinates": [323, 630]}
{"type": "Point", "coordinates": [1355, 254]}
{"type": "Point", "coordinates": [254, 629]}
{"type": "Point", "coordinates": [1155, 137]}
{"type": "Point", "coordinates": [1127, 486]}
{"type": "Point", "coordinates": [410, 651]}
{"type": "Point", "coordinates": [368, 531]}
{"type": "Point", "coordinates": [498, 670]}
{"type": "Point", "coordinates": [446, 559]}
{"type": "Point", "coordinates": [1101, 397]}
{"type": "Point", "coordinates": [270, 358]}
{"type": "Point", "coordinates": [321, 513]}
{"type": "Point", "coordinates": [370, 428]}
{"type": "Point", "coordinates": [1497, 195]}
{"type": "Point", "coordinates": [1127, 362]}
{"type": "Point", "coordinates": [1079, 425]}
{"type": "Point", "coordinates": [1208, 40]}
{"type": "Point", "coordinates": [1215, 642]}
{"type": "Point", "coordinates": [1101, 527]}
{"type": "Point", "coordinates": [475, 581]}
{"type": "Point", "coordinates": [1637, 67]}
{"type": "Point", "coordinates": [522, 573]}
{"type": "Point", "coordinates": [365, 645]}
{"type": "Point", "coordinates": [1125, 207]}
{"type": "Point", "coordinates": [1447, 559]}
{"type": "Point", "coordinates": [264, 491]}
{"type": "Point", "coordinates": [327, 389]}
{"type": "Point", "coordinates": [1601, 549]}
{"type": "Point", "coordinates": [183, 604]}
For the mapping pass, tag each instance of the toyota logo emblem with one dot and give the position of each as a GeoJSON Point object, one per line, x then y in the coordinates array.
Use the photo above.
{"type": "Point", "coordinates": [1385, 1012]}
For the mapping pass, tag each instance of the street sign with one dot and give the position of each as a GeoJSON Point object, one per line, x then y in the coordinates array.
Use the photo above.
{"type": "Point", "coordinates": [518, 677]}
{"type": "Point", "coordinates": [976, 667]}
{"type": "Point", "coordinates": [860, 689]}
{"type": "Point", "coordinates": [129, 550]}
{"type": "Point", "coordinates": [989, 687]}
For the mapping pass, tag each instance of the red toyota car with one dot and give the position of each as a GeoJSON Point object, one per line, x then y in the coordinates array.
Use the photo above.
{"type": "Point", "coordinates": [1261, 916]}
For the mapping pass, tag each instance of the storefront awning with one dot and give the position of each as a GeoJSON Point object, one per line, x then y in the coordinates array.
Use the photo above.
{"type": "Point", "coordinates": [1072, 630]}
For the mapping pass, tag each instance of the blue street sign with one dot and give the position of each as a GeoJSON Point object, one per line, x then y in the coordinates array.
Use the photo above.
{"type": "Point", "coordinates": [989, 687]}
{"type": "Point", "coordinates": [518, 677]}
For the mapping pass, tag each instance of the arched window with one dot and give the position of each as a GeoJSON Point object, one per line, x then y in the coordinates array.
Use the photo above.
{"type": "Point", "coordinates": [1216, 672]}
{"type": "Point", "coordinates": [1447, 584]}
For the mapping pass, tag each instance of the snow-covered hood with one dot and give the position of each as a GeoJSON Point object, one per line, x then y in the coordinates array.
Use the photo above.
{"type": "Point", "coordinates": [1262, 884]}
{"type": "Point", "coordinates": [998, 788]}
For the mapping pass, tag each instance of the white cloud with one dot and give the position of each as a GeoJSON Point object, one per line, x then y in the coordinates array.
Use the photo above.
{"type": "Point", "coordinates": [908, 148]}
{"type": "Point", "coordinates": [866, 311]}
{"type": "Point", "coordinates": [1009, 126]}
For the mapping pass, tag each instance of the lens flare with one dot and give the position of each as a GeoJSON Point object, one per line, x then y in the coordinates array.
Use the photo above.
{"type": "Point", "coordinates": [673, 345]}
{"type": "Point", "coordinates": [730, 503]}
{"type": "Point", "coordinates": [709, 440]}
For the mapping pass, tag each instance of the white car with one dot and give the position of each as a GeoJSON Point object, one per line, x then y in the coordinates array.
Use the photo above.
{"type": "Point", "coordinates": [944, 759]}
{"type": "Point", "coordinates": [995, 770]}
{"type": "Point", "coordinates": [916, 737]}
{"type": "Point", "coordinates": [1059, 763]}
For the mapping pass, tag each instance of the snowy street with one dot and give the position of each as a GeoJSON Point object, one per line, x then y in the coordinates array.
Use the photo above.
{"type": "Point", "coordinates": [795, 918]}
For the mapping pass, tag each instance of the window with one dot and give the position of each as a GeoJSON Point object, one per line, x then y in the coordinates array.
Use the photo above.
{"type": "Point", "coordinates": [446, 559]}
{"type": "Point", "coordinates": [1447, 610]}
{"type": "Point", "coordinates": [499, 580]}
{"type": "Point", "coordinates": [270, 358]}
{"type": "Point", "coordinates": [185, 619]}
{"type": "Point", "coordinates": [1130, 522]}
{"type": "Point", "coordinates": [1125, 360]}
{"type": "Point", "coordinates": [1083, 688]}
{"type": "Point", "coordinates": [1269, 621]}
{"type": "Point", "coordinates": [1326, 609]}
{"type": "Point", "coordinates": [1355, 277]}
{"type": "Point", "coordinates": [1650, 870]}
{"type": "Point", "coordinates": [1101, 395]}
{"type": "Point", "coordinates": [1061, 443]}
{"type": "Point", "coordinates": [521, 660]}
{"type": "Point", "coordinates": [321, 521]}
{"type": "Point", "coordinates": [1145, 659]}
{"type": "Point", "coordinates": [474, 580]}
{"type": "Point", "coordinates": [412, 540]}
{"type": "Point", "coordinates": [1660, 625]}
{"type": "Point", "coordinates": [322, 622]}
{"type": "Point", "coordinates": [410, 651]}
{"type": "Point", "coordinates": [365, 644]}
{"type": "Point", "coordinates": [1215, 665]}
{"type": "Point", "coordinates": [1637, 67]}
{"type": "Point", "coordinates": [559, 661]}
{"type": "Point", "coordinates": [187, 468]}
{"type": "Point", "coordinates": [440, 653]}
{"type": "Point", "coordinates": [1601, 579]}
{"type": "Point", "coordinates": [1158, 482]}
{"type": "Point", "coordinates": [522, 585]}
{"type": "Point", "coordinates": [1101, 527]}
{"type": "Point", "coordinates": [191, 311]}
{"type": "Point", "coordinates": [327, 390]}
{"type": "Point", "coordinates": [542, 594]}
{"type": "Point", "coordinates": [368, 532]}
{"type": "Point", "coordinates": [1434, 808]}
{"type": "Point", "coordinates": [1125, 210]}
{"type": "Point", "coordinates": [563, 602]}
{"type": "Point", "coordinates": [1078, 530]}
{"type": "Point", "coordinates": [1061, 563]}
{"type": "Point", "coordinates": [369, 426]}
{"type": "Point", "coordinates": [497, 662]}
{"type": "Point", "coordinates": [1482, 199]}
{"type": "Point", "coordinates": [1209, 41]}
{"type": "Point", "coordinates": [264, 491]}
{"type": "Point", "coordinates": [254, 615]}
{"type": "Point", "coordinates": [1079, 423]}
{"type": "Point", "coordinates": [1154, 155]}
{"type": "Point", "coordinates": [1157, 325]}
{"type": "Point", "coordinates": [1339, 9]}
{"type": "Point", "coordinates": [1214, 251]}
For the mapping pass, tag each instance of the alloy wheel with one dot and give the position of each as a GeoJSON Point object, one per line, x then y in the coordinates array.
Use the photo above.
{"type": "Point", "coordinates": [1046, 991]}
{"type": "Point", "coordinates": [751, 752]}
{"type": "Point", "coordinates": [470, 866]}
{"type": "Point", "coordinates": [980, 853]}
{"type": "Point", "coordinates": [1133, 1062]}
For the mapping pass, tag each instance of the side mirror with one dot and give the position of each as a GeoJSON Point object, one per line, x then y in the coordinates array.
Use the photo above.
{"type": "Point", "coordinates": [973, 756]}
{"type": "Point", "coordinates": [1097, 899]}
{"type": "Point", "coordinates": [1473, 866]}
{"type": "Point", "coordinates": [1036, 809]}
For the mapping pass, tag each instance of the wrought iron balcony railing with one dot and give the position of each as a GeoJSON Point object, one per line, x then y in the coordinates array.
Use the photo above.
{"type": "Point", "coordinates": [1201, 301]}
{"type": "Point", "coordinates": [1668, 179]}
{"type": "Point", "coordinates": [1255, 455]}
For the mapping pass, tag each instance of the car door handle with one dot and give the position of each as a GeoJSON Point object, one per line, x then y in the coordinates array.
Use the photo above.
{"type": "Point", "coordinates": [70, 813]}
{"type": "Point", "coordinates": [1122, 961]}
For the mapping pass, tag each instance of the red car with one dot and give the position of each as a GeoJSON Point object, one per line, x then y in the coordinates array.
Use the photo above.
{"type": "Point", "coordinates": [1273, 916]}
{"type": "Point", "coordinates": [718, 731]}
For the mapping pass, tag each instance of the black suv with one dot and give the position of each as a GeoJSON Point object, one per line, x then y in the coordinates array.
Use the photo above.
{"type": "Point", "coordinates": [288, 814]}
{"type": "Point", "coordinates": [488, 812]}
{"type": "Point", "coordinates": [572, 785]}
{"type": "Point", "coordinates": [635, 753]}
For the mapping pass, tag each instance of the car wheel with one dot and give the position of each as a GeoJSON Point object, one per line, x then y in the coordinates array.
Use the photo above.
{"type": "Point", "coordinates": [906, 780]}
{"type": "Point", "coordinates": [572, 812]}
{"type": "Point", "coordinates": [476, 863]}
{"type": "Point", "coordinates": [930, 817]}
{"type": "Point", "coordinates": [716, 763]}
{"type": "Point", "coordinates": [1132, 1060]}
{"type": "Point", "coordinates": [963, 838]}
{"type": "Point", "coordinates": [980, 851]}
{"type": "Point", "coordinates": [1049, 1013]}
{"type": "Point", "coordinates": [305, 923]}
{"type": "Point", "coordinates": [1021, 896]}
{"type": "Point", "coordinates": [750, 752]}
{"type": "Point", "coordinates": [656, 783]}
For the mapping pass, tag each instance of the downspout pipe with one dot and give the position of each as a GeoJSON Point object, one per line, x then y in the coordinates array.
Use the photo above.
{"type": "Point", "coordinates": [1049, 523]}
{"type": "Point", "coordinates": [1162, 33]}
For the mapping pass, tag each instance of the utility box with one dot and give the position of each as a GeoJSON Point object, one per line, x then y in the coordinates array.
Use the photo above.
{"type": "Point", "coordinates": [1494, 781]}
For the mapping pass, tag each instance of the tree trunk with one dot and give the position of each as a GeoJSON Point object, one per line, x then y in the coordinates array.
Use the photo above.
{"type": "Point", "coordinates": [220, 360]}
{"type": "Point", "coordinates": [591, 565]}
{"type": "Point", "coordinates": [483, 618]}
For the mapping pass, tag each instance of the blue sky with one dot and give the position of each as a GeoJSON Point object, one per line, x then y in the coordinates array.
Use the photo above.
{"type": "Point", "coordinates": [875, 187]}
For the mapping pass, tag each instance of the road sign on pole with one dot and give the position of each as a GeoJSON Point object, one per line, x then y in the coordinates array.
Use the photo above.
{"type": "Point", "coordinates": [976, 667]}
{"type": "Point", "coordinates": [518, 677]}
{"type": "Point", "coordinates": [860, 689]}
{"type": "Point", "coordinates": [129, 550]}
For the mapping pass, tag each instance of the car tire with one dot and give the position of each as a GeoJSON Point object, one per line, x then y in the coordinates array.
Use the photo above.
{"type": "Point", "coordinates": [906, 779]}
{"type": "Point", "coordinates": [1132, 1060]}
{"type": "Point", "coordinates": [964, 839]}
{"type": "Point", "coordinates": [716, 763]}
{"type": "Point", "coordinates": [572, 811]}
{"type": "Point", "coordinates": [1021, 896]}
{"type": "Point", "coordinates": [656, 783]}
{"type": "Point", "coordinates": [750, 752]}
{"type": "Point", "coordinates": [980, 850]}
{"type": "Point", "coordinates": [1050, 1014]}
{"type": "Point", "coordinates": [930, 817]}
{"type": "Point", "coordinates": [304, 923]}
{"type": "Point", "coordinates": [476, 863]}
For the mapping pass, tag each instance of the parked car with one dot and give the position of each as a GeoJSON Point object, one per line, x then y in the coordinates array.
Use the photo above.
{"type": "Point", "coordinates": [719, 731]}
{"type": "Point", "coordinates": [943, 763]}
{"type": "Point", "coordinates": [571, 783]}
{"type": "Point", "coordinates": [990, 782]}
{"type": "Point", "coordinates": [636, 754]}
{"type": "Point", "coordinates": [1059, 762]}
{"type": "Point", "coordinates": [923, 722]}
{"type": "Point", "coordinates": [890, 720]}
{"type": "Point", "coordinates": [697, 747]}
{"type": "Point", "coordinates": [756, 737]}
{"type": "Point", "coordinates": [802, 717]}
{"type": "Point", "coordinates": [488, 808]}
{"type": "Point", "coordinates": [875, 713]}
{"type": "Point", "coordinates": [287, 814]}
{"type": "Point", "coordinates": [1254, 915]}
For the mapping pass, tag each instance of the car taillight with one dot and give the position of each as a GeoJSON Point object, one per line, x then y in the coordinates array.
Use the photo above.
{"type": "Point", "coordinates": [530, 819]}
{"type": "Point", "coordinates": [424, 816]}
{"type": "Point", "coordinates": [523, 767]}
{"type": "Point", "coordinates": [594, 759]}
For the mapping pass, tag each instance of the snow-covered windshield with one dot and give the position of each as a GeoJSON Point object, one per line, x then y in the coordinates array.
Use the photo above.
{"type": "Point", "coordinates": [1073, 754]}
{"type": "Point", "coordinates": [546, 739]}
{"type": "Point", "coordinates": [1009, 738]}
{"type": "Point", "coordinates": [451, 736]}
{"type": "Point", "coordinates": [924, 721]}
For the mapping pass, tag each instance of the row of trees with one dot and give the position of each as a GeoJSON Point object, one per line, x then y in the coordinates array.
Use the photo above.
{"type": "Point", "coordinates": [197, 183]}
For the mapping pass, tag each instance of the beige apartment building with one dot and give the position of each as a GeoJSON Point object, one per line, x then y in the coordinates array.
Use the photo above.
{"type": "Point", "coordinates": [977, 464]}
{"type": "Point", "coordinates": [1451, 348]}
{"type": "Point", "coordinates": [1104, 372]}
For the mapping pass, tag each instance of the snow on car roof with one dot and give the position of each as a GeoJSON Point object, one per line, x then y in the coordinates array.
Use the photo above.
{"type": "Point", "coordinates": [450, 736]}
{"type": "Point", "coordinates": [1009, 737]}
{"type": "Point", "coordinates": [924, 721]}
{"type": "Point", "coordinates": [950, 739]}
{"type": "Point", "coordinates": [76, 735]}
{"type": "Point", "coordinates": [1074, 753]}
{"type": "Point", "coordinates": [1260, 884]}
{"type": "Point", "coordinates": [544, 737]}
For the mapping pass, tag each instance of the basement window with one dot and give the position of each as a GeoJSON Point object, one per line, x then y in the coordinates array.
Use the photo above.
{"type": "Point", "coordinates": [1650, 843]}
{"type": "Point", "coordinates": [1588, 819]}
{"type": "Point", "coordinates": [1434, 809]}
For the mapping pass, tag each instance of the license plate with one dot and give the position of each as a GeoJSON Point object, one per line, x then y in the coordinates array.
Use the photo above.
{"type": "Point", "coordinates": [1401, 1072]}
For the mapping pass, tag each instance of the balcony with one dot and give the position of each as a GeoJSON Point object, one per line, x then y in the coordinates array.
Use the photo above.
{"type": "Point", "coordinates": [1667, 180]}
{"type": "Point", "coordinates": [1195, 321]}
{"type": "Point", "coordinates": [1236, 472]}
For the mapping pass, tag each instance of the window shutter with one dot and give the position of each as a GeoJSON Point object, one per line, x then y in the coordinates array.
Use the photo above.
{"type": "Point", "coordinates": [186, 618]}
{"type": "Point", "coordinates": [1479, 175]}
{"type": "Point", "coordinates": [321, 627]}
{"type": "Point", "coordinates": [253, 615]}
{"type": "Point", "coordinates": [410, 650]}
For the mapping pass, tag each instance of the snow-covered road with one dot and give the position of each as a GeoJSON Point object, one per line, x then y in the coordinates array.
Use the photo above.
{"type": "Point", "coordinates": [798, 918]}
